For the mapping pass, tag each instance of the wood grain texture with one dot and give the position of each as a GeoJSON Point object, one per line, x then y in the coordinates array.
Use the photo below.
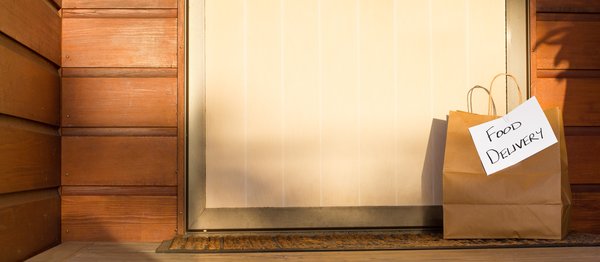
{"type": "Point", "coordinates": [585, 188]}
{"type": "Point", "coordinates": [29, 155]}
{"type": "Point", "coordinates": [118, 102]}
{"type": "Point", "coordinates": [119, 4]}
{"type": "Point", "coordinates": [582, 131]}
{"type": "Point", "coordinates": [577, 97]}
{"type": "Point", "coordinates": [139, 161]}
{"type": "Point", "coordinates": [119, 13]}
{"type": "Point", "coordinates": [30, 85]}
{"type": "Point", "coordinates": [118, 191]}
{"type": "Point", "coordinates": [118, 72]}
{"type": "Point", "coordinates": [568, 45]}
{"type": "Point", "coordinates": [566, 73]}
{"type": "Point", "coordinates": [568, 17]}
{"type": "Point", "coordinates": [35, 24]}
{"type": "Point", "coordinates": [584, 216]}
{"type": "Point", "coordinates": [30, 223]}
{"type": "Point", "coordinates": [118, 218]}
{"type": "Point", "coordinates": [583, 159]}
{"type": "Point", "coordinates": [119, 42]}
{"type": "Point", "coordinates": [181, 117]}
{"type": "Point", "coordinates": [112, 131]}
{"type": "Point", "coordinates": [568, 6]}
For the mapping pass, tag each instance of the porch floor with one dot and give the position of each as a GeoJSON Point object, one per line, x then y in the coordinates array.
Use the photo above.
{"type": "Point", "coordinates": [111, 251]}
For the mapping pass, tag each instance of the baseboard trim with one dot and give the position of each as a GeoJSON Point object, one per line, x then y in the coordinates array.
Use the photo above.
{"type": "Point", "coordinates": [317, 218]}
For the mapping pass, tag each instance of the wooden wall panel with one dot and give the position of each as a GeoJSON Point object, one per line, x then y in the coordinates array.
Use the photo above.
{"type": "Point", "coordinates": [569, 6]}
{"type": "Point", "coordinates": [119, 13]}
{"type": "Point", "coordinates": [29, 156]}
{"type": "Point", "coordinates": [119, 161]}
{"type": "Point", "coordinates": [29, 223]}
{"type": "Point", "coordinates": [583, 159]}
{"type": "Point", "coordinates": [34, 23]}
{"type": "Point", "coordinates": [119, 3]}
{"type": "Point", "coordinates": [584, 216]}
{"type": "Point", "coordinates": [119, 42]}
{"type": "Point", "coordinates": [111, 72]}
{"type": "Point", "coordinates": [577, 97]}
{"type": "Point", "coordinates": [565, 71]}
{"type": "Point", "coordinates": [30, 49]}
{"type": "Point", "coordinates": [568, 44]}
{"type": "Point", "coordinates": [30, 85]}
{"type": "Point", "coordinates": [119, 102]}
{"type": "Point", "coordinates": [118, 218]}
{"type": "Point", "coordinates": [118, 131]}
{"type": "Point", "coordinates": [120, 106]}
{"type": "Point", "coordinates": [119, 190]}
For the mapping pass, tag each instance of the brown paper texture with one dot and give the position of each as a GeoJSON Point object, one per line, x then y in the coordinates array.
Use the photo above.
{"type": "Point", "coordinates": [531, 199]}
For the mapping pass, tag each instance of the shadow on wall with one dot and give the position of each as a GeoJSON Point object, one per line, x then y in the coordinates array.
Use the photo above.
{"type": "Point", "coordinates": [568, 60]}
{"type": "Point", "coordinates": [562, 47]}
{"type": "Point", "coordinates": [551, 91]}
{"type": "Point", "coordinates": [431, 177]}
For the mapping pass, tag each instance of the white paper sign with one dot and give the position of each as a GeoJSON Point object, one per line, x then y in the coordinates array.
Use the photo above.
{"type": "Point", "coordinates": [512, 138]}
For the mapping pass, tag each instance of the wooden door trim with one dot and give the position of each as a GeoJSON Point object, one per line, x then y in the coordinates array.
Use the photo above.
{"type": "Point", "coordinates": [181, 115]}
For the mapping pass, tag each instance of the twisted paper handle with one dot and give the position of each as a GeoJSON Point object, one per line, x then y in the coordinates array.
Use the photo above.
{"type": "Point", "coordinates": [491, 103]}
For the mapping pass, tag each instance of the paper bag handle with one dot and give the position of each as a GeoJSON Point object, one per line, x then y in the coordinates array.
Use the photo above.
{"type": "Point", "coordinates": [470, 98]}
{"type": "Point", "coordinates": [491, 104]}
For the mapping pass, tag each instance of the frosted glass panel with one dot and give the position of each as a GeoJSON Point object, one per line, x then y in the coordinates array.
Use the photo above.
{"type": "Point", "coordinates": [339, 102]}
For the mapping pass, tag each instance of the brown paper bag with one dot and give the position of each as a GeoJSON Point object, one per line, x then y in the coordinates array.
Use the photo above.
{"type": "Point", "coordinates": [531, 199]}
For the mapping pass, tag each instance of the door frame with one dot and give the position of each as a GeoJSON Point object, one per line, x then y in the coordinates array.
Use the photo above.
{"type": "Point", "coordinates": [199, 218]}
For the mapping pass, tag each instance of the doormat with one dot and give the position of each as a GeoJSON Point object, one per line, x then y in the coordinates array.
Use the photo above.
{"type": "Point", "coordinates": [351, 241]}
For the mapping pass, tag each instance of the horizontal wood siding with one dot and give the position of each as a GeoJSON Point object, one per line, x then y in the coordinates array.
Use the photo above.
{"type": "Point", "coordinates": [569, 6]}
{"type": "Point", "coordinates": [30, 49]}
{"type": "Point", "coordinates": [29, 85]}
{"type": "Point", "coordinates": [583, 159]}
{"type": "Point", "coordinates": [119, 191]}
{"type": "Point", "coordinates": [577, 97]}
{"type": "Point", "coordinates": [585, 211]}
{"type": "Point", "coordinates": [568, 45]}
{"type": "Point", "coordinates": [29, 223]}
{"type": "Point", "coordinates": [119, 42]}
{"type": "Point", "coordinates": [119, 131]}
{"type": "Point", "coordinates": [118, 218]}
{"type": "Point", "coordinates": [566, 73]}
{"type": "Point", "coordinates": [29, 156]}
{"type": "Point", "coordinates": [119, 3]}
{"type": "Point", "coordinates": [113, 72]}
{"type": "Point", "coordinates": [33, 23]}
{"type": "Point", "coordinates": [120, 109]}
{"type": "Point", "coordinates": [139, 161]}
{"type": "Point", "coordinates": [119, 13]}
{"type": "Point", "coordinates": [119, 102]}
